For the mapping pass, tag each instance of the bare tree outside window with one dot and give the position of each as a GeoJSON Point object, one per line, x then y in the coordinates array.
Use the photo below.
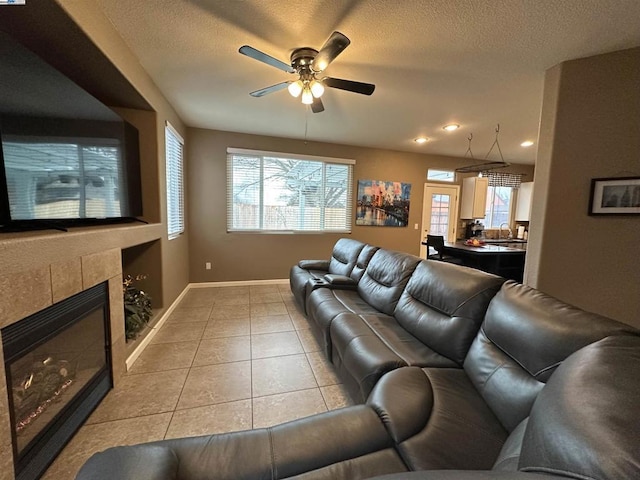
{"type": "Point", "coordinates": [271, 193]}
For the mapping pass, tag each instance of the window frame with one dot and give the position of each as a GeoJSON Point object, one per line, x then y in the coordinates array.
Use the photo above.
{"type": "Point", "coordinates": [326, 161]}
{"type": "Point", "coordinates": [489, 207]}
{"type": "Point", "coordinates": [174, 164]}
{"type": "Point", "coordinates": [441, 171]}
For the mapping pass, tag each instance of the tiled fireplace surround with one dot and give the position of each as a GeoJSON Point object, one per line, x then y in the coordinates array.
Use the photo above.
{"type": "Point", "coordinates": [25, 292]}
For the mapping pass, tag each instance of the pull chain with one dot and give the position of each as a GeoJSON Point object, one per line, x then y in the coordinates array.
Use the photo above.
{"type": "Point", "coordinates": [306, 123]}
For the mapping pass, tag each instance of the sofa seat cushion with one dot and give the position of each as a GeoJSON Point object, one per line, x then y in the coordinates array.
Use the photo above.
{"type": "Point", "coordinates": [325, 304]}
{"type": "Point", "coordinates": [437, 419]}
{"type": "Point", "coordinates": [366, 346]}
{"type": "Point", "coordinates": [379, 290]}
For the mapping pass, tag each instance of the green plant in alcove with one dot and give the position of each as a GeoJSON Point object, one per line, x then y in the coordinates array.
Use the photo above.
{"type": "Point", "coordinates": [137, 307]}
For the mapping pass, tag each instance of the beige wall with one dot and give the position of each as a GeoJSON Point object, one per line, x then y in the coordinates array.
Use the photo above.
{"type": "Point", "coordinates": [172, 254]}
{"type": "Point", "coordinates": [590, 128]}
{"type": "Point", "coordinates": [245, 256]}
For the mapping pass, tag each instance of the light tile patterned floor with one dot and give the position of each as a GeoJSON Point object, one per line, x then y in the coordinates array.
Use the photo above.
{"type": "Point", "coordinates": [227, 359]}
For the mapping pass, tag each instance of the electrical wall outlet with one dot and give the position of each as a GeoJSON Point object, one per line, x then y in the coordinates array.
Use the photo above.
{"type": "Point", "coordinates": [207, 266]}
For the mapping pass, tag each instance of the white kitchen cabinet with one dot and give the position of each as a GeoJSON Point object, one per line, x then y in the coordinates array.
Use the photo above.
{"type": "Point", "coordinates": [523, 207]}
{"type": "Point", "coordinates": [474, 197]}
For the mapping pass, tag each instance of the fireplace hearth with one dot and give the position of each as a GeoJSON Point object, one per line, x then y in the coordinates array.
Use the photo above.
{"type": "Point", "coordinates": [58, 369]}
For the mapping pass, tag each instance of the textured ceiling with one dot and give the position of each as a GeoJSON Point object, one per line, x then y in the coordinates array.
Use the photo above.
{"type": "Point", "coordinates": [472, 62]}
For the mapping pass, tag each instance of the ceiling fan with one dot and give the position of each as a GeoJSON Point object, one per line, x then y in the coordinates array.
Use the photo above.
{"type": "Point", "coordinates": [308, 63]}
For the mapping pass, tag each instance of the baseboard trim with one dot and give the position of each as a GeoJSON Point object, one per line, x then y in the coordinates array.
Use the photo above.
{"type": "Point", "coordinates": [146, 340]}
{"type": "Point", "coordinates": [240, 283]}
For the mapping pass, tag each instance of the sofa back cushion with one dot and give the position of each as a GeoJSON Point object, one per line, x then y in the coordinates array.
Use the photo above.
{"type": "Point", "coordinates": [443, 306]}
{"type": "Point", "coordinates": [366, 254]}
{"type": "Point", "coordinates": [586, 421]}
{"type": "Point", "coordinates": [385, 278]}
{"type": "Point", "coordinates": [525, 336]}
{"type": "Point", "coordinates": [344, 256]}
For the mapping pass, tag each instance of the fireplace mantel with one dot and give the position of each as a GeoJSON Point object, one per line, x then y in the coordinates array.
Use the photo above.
{"type": "Point", "coordinates": [30, 250]}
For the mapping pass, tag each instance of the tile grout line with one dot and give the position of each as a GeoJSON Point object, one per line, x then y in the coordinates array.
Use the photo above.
{"type": "Point", "coordinates": [251, 363]}
{"type": "Point", "coordinates": [175, 407]}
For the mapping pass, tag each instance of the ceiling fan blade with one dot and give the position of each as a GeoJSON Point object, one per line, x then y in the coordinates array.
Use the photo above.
{"type": "Point", "coordinates": [264, 58]}
{"type": "Point", "coordinates": [317, 106]}
{"type": "Point", "coordinates": [349, 85]}
{"type": "Point", "coordinates": [273, 88]}
{"type": "Point", "coordinates": [330, 50]}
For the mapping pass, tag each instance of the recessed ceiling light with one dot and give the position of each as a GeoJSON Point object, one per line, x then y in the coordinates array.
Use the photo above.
{"type": "Point", "coordinates": [451, 127]}
{"type": "Point", "coordinates": [421, 140]}
{"type": "Point", "coordinates": [528, 143]}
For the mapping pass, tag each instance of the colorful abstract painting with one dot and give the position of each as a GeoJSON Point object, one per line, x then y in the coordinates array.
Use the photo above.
{"type": "Point", "coordinates": [383, 204]}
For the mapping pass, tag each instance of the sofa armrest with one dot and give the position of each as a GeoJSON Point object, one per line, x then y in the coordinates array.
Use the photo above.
{"type": "Point", "coordinates": [331, 281]}
{"type": "Point", "coordinates": [340, 281]}
{"type": "Point", "coordinates": [326, 439]}
{"type": "Point", "coordinates": [467, 475]}
{"type": "Point", "coordinates": [403, 399]}
{"type": "Point", "coordinates": [283, 451]}
{"type": "Point", "coordinates": [314, 265]}
{"type": "Point", "coordinates": [142, 462]}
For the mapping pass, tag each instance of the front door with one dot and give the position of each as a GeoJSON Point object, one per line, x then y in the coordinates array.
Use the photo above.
{"type": "Point", "coordinates": [439, 213]}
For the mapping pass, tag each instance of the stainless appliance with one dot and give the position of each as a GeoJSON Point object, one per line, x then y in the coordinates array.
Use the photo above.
{"type": "Point", "coordinates": [474, 229]}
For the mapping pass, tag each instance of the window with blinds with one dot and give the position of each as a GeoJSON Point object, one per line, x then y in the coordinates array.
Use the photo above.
{"type": "Point", "coordinates": [274, 192]}
{"type": "Point", "coordinates": [500, 197]}
{"type": "Point", "coordinates": [175, 190]}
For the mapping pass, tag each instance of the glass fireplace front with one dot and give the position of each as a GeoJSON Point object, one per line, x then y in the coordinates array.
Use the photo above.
{"type": "Point", "coordinates": [58, 369]}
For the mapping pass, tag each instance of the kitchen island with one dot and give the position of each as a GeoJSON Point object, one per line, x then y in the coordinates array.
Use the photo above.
{"type": "Point", "coordinates": [506, 261]}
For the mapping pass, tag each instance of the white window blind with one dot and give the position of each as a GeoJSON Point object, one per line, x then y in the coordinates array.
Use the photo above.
{"type": "Point", "coordinates": [175, 189]}
{"type": "Point", "coordinates": [275, 192]}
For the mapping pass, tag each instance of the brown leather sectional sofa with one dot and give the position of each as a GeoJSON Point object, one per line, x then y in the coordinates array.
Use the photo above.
{"type": "Point", "coordinates": [463, 376]}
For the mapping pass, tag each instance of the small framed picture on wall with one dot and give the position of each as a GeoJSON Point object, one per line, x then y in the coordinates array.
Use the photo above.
{"type": "Point", "coordinates": [615, 196]}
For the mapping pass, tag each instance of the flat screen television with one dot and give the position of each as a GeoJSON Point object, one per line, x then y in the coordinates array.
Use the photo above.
{"type": "Point", "coordinates": [66, 159]}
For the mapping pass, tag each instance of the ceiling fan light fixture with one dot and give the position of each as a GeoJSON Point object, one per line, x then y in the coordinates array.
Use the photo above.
{"type": "Point", "coordinates": [317, 89]}
{"type": "Point", "coordinates": [308, 62]}
{"type": "Point", "coordinates": [295, 88]}
{"type": "Point", "coordinates": [307, 96]}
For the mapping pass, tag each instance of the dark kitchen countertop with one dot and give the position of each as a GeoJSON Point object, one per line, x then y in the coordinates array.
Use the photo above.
{"type": "Point", "coordinates": [503, 260]}
{"type": "Point", "coordinates": [486, 249]}
{"type": "Point", "coordinates": [504, 240]}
